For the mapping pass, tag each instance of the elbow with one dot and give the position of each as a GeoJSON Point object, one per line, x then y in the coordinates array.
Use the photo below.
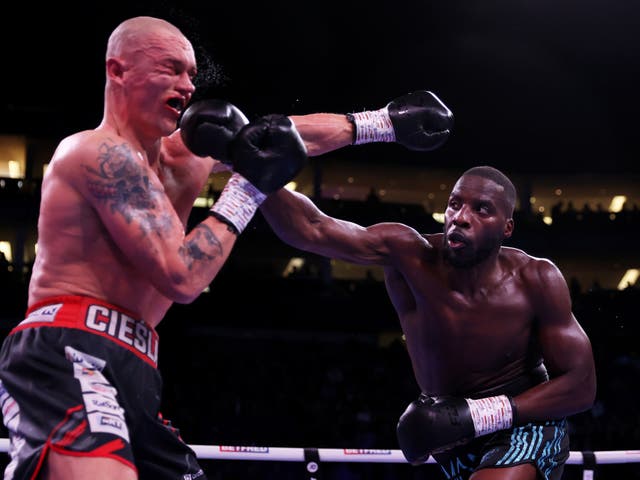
{"type": "Point", "coordinates": [178, 289]}
{"type": "Point", "coordinates": [185, 297]}
{"type": "Point", "coordinates": [186, 294]}
{"type": "Point", "coordinates": [299, 238]}
{"type": "Point", "coordinates": [185, 300]}
{"type": "Point", "coordinates": [586, 402]}
{"type": "Point", "coordinates": [590, 396]}
{"type": "Point", "coordinates": [288, 237]}
{"type": "Point", "coordinates": [587, 398]}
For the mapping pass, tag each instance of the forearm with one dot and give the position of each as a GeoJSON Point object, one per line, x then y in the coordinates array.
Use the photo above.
{"type": "Point", "coordinates": [298, 222]}
{"type": "Point", "coordinates": [194, 260]}
{"type": "Point", "coordinates": [186, 267]}
{"type": "Point", "coordinates": [290, 216]}
{"type": "Point", "coordinates": [560, 397]}
{"type": "Point", "coordinates": [324, 132]}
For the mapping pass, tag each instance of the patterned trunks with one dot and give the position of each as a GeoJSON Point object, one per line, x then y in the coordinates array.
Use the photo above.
{"type": "Point", "coordinates": [79, 377]}
{"type": "Point", "coordinates": [543, 444]}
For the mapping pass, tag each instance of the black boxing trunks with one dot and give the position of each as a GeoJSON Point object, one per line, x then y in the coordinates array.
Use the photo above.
{"type": "Point", "coordinates": [543, 444]}
{"type": "Point", "coordinates": [79, 377]}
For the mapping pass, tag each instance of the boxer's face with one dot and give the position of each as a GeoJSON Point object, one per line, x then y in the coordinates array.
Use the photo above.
{"type": "Point", "coordinates": [158, 81]}
{"type": "Point", "coordinates": [475, 221]}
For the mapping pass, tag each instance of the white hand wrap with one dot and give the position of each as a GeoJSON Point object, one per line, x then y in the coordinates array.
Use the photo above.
{"type": "Point", "coordinates": [490, 414]}
{"type": "Point", "coordinates": [238, 202]}
{"type": "Point", "coordinates": [373, 126]}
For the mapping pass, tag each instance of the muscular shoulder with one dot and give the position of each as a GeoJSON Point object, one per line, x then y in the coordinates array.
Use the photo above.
{"type": "Point", "coordinates": [103, 167]}
{"type": "Point", "coordinates": [538, 274]}
{"type": "Point", "coordinates": [532, 265]}
{"type": "Point", "coordinates": [403, 243]}
{"type": "Point", "coordinates": [399, 236]}
{"type": "Point", "coordinates": [433, 244]}
{"type": "Point", "coordinates": [90, 147]}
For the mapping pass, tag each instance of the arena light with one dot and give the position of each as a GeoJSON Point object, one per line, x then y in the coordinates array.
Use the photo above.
{"type": "Point", "coordinates": [617, 203]}
{"type": "Point", "coordinates": [295, 264]}
{"type": "Point", "coordinates": [629, 278]}
{"type": "Point", "coordinates": [438, 217]}
{"type": "Point", "coordinates": [13, 155]}
{"type": "Point", "coordinates": [5, 247]}
{"type": "Point", "coordinates": [14, 169]}
{"type": "Point", "coordinates": [203, 202]}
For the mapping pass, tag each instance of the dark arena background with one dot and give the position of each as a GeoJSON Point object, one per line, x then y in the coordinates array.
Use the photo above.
{"type": "Point", "coordinates": [286, 349]}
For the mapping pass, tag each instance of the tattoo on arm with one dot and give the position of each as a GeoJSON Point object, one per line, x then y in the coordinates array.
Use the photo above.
{"type": "Point", "coordinates": [202, 247]}
{"type": "Point", "coordinates": [120, 182]}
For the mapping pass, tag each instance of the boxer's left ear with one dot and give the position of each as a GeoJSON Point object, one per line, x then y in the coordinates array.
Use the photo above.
{"type": "Point", "coordinates": [508, 228]}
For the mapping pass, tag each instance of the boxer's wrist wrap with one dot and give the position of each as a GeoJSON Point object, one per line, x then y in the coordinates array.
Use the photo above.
{"type": "Point", "coordinates": [372, 126]}
{"type": "Point", "coordinates": [238, 202]}
{"type": "Point", "coordinates": [491, 414]}
{"type": "Point", "coordinates": [514, 412]}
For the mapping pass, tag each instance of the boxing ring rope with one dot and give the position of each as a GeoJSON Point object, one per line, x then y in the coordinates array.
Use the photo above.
{"type": "Point", "coordinates": [314, 456]}
{"type": "Point", "coordinates": [284, 454]}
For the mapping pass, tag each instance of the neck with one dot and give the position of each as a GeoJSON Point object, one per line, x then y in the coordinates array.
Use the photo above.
{"type": "Point", "coordinates": [477, 278]}
{"type": "Point", "coordinates": [147, 146]}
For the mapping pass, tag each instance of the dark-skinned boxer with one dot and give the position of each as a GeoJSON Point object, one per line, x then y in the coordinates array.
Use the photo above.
{"type": "Point", "coordinates": [496, 350]}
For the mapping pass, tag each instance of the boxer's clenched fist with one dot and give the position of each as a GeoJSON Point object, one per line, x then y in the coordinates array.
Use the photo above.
{"type": "Point", "coordinates": [208, 126]}
{"type": "Point", "coordinates": [418, 120]}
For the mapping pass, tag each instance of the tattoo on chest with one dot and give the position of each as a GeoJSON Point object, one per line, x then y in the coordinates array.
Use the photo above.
{"type": "Point", "coordinates": [201, 245]}
{"type": "Point", "coordinates": [120, 181]}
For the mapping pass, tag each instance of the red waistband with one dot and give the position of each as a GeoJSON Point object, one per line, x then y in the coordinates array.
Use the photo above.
{"type": "Point", "coordinates": [98, 317]}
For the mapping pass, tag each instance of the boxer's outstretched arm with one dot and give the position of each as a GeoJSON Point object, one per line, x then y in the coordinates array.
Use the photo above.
{"type": "Point", "coordinates": [298, 222]}
{"type": "Point", "coordinates": [418, 120]}
{"type": "Point", "coordinates": [566, 350]}
{"type": "Point", "coordinates": [324, 132]}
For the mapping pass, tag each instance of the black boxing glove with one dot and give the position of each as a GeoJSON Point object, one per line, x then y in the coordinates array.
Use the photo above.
{"type": "Point", "coordinates": [431, 425]}
{"type": "Point", "coordinates": [208, 126]}
{"type": "Point", "coordinates": [418, 120]}
{"type": "Point", "coordinates": [266, 155]}
{"type": "Point", "coordinates": [268, 152]}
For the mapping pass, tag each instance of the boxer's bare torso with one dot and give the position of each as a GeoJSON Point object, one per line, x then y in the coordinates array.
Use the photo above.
{"type": "Point", "coordinates": [76, 256]}
{"type": "Point", "coordinates": [463, 338]}
{"type": "Point", "coordinates": [475, 314]}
